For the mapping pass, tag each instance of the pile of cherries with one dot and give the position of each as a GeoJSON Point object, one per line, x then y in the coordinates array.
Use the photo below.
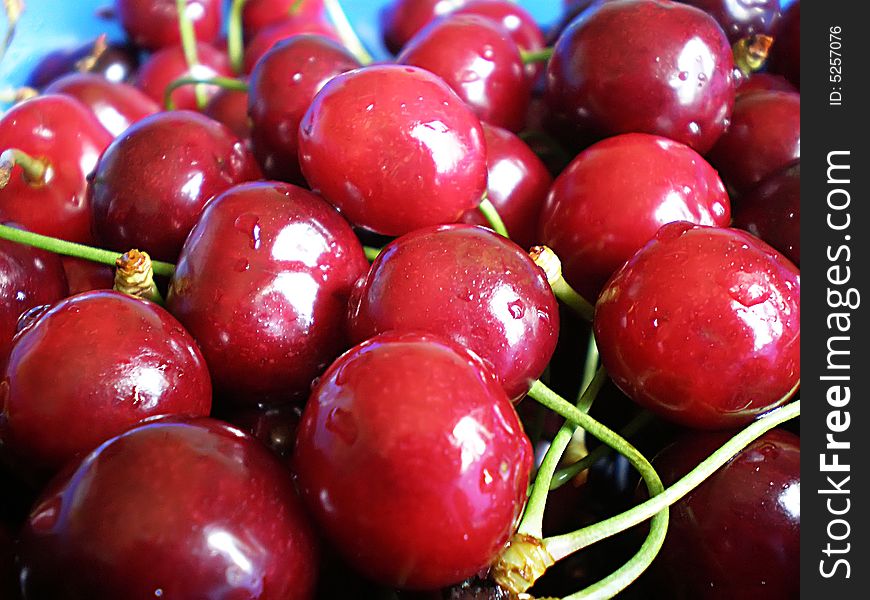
{"type": "Point", "coordinates": [346, 283]}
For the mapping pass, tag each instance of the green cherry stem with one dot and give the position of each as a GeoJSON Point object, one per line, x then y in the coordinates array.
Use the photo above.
{"type": "Point", "coordinates": [545, 258]}
{"type": "Point", "coordinates": [750, 53]}
{"type": "Point", "coordinates": [13, 10]}
{"type": "Point", "coordinates": [188, 44]}
{"type": "Point", "coordinates": [227, 83]}
{"type": "Point", "coordinates": [536, 56]}
{"type": "Point", "coordinates": [372, 253]}
{"type": "Point", "coordinates": [576, 449]}
{"type": "Point", "coordinates": [490, 213]}
{"type": "Point", "coordinates": [44, 242]}
{"type": "Point", "coordinates": [36, 171]}
{"type": "Point", "coordinates": [134, 276]}
{"type": "Point", "coordinates": [235, 40]}
{"type": "Point", "coordinates": [346, 32]}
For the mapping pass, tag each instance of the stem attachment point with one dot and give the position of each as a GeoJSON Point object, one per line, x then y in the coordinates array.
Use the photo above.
{"type": "Point", "coordinates": [520, 564]}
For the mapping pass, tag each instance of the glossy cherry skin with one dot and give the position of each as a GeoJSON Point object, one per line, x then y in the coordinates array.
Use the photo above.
{"type": "Point", "coordinates": [262, 284]}
{"type": "Point", "coordinates": [281, 88]}
{"type": "Point", "coordinates": [785, 55]}
{"type": "Point", "coordinates": [614, 197]}
{"type": "Point", "coordinates": [117, 63]}
{"type": "Point", "coordinates": [90, 368]}
{"type": "Point", "coordinates": [402, 428]}
{"type": "Point", "coordinates": [166, 65]}
{"type": "Point", "coordinates": [230, 107]}
{"type": "Point", "coordinates": [151, 184]}
{"type": "Point", "coordinates": [737, 535]}
{"type": "Point", "coordinates": [769, 82]}
{"type": "Point", "coordinates": [116, 105]}
{"type": "Point", "coordinates": [517, 184]}
{"type": "Point", "coordinates": [84, 275]}
{"type": "Point", "coordinates": [215, 513]}
{"type": "Point", "coordinates": [742, 18]}
{"type": "Point", "coordinates": [269, 37]}
{"type": "Point", "coordinates": [764, 136]}
{"type": "Point", "coordinates": [649, 66]}
{"type": "Point", "coordinates": [772, 211]}
{"type": "Point", "coordinates": [153, 24]}
{"type": "Point", "coordinates": [64, 133]}
{"type": "Point", "coordinates": [402, 19]}
{"type": "Point", "coordinates": [480, 61]}
{"type": "Point", "coordinates": [274, 426]}
{"type": "Point", "coordinates": [702, 326]}
{"type": "Point", "coordinates": [28, 277]}
{"type": "Point", "coordinates": [467, 284]}
{"type": "Point", "coordinates": [259, 14]}
{"type": "Point", "coordinates": [394, 149]}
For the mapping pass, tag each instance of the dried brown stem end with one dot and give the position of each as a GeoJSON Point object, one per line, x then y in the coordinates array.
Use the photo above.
{"type": "Point", "coordinates": [134, 276]}
{"type": "Point", "coordinates": [521, 564]}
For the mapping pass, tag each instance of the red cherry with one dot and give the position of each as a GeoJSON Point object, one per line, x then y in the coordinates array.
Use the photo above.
{"type": "Point", "coordinates": [211, 509]}
{"type": "Point", "coordinates": [153, 24]}
{"type": "Point", "coordinates": [517, 185]}
{"type": "Point", "coordinates": [401, 429]}
{"type": "Point", "coordinates": [262, 284]}
{"type": "Point", "coordinates": [513, 17]}
{"type": "Point", "coordinates": [266, 39]}
{"type": "Point", "coordinates": [281, 89]}
{"type": "Point", "coordinates": [480, 61]}
{"type": "Point", "coordinates": [785, 55]}
{"type": "Point", "coordinates": [768, 82]}
{"type": "Point", "coordinates": [393, 148]}
{"type": "Point", "coordinates": [90, 368]}
{"type": "Point", "coordinates": [116, 105]}
{"type": "Point", "coordinates": [772, 211]}
{"type": "Point", "coordinates": [169, 64]}
{"type": "Point", "coordinates": [737, 535]}
{"type": "Point", "coordinates": [650, 66]}
{"type": "Point", "coordinates": [84, 275]}
{"type": "Point", "coordinates": [230, 107]}
{"type": "Point", "coordinates": [742, 18]}
{"type": "Point", "coordinates": [614, 197]}
{"type": "Point", "coordinates": [259, 14]}
{"type": "Point", "coordinates": [63, 133]}
{"type": "Point", "coordinates": [151, 184]}
{"type": "Point", "coordinates": [402, 19]}
{"type": "Point", "coordinates": [702, 326]}
{"type": "Point", "coordinates": [764, 136]}
{"type": "Point", "coordinates": [469, 285]}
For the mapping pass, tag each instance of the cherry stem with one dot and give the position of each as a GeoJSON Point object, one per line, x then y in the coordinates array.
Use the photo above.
{"type": "Point", "coordinates": [346, 32]}
{"type": "Point", "coordinates": [134, 276]}
{"type": "Point", "coordinates": [36, 170]}
{"type": "Point", "coordinates": [44, 242]}
{"type": "Point", "coordinates": [545, 258]}
{"type": "Point", "coordinates": [235, 41]}
{"type": "Point", "coordinates": [372, 253]}
{"type": "Point", "coordinates": [227, 83]}
{"type": "Point", "coordinates": [490, 213]}
{"type": "Point", "coordinates": [536, 56]}
{"type": "Point", "coordinates": [15, 95]}
{"type": "Point", "coordinates": [188, 44]}
{"type": "Point", "coordinates": [750, 53]}
{"type": "Point", "coordinates": [87, 64]}
{"type": "Point", "coordinates": [13, 10]}
{"type": "Point", "coordinates": [533, 517]}
{"type": "Point", "coordinates": [576, 449]}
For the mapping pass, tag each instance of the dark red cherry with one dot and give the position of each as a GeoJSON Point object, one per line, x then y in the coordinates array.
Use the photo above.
{"type": "Point", "coordinates": [153, 24]}
{"type": "Point", "coordinates": [28, 278]}
{"type": "Point", "coordinates": [764, 136]}
{"type": "Point", "coordinates": [477, 57]}
{"type": "Point", "coordinates": [769, 82]}
{"type": "Point", "coordinates": [262, 284]}
{"type": "Point", "coordinates": [467, 284]}
{"type": "Point", "coordinates": [67, 139]}
{"type": "Point", "coordinates": [281, 89]}
{"type": "Point", "coordinates": [151, 184]}
{"type": "Point", "coordinates": [116, 62]}
{"type": "Point", "coordinates": [785, 56]}
{"type": "Point", "coordinates": [169, 64]}
{"type": "Point", "coordinates": [259, 14]}
{"type": "Point", "coordinates": [742, 18]}
{"type": "Point", "coordinates": [394, 149]}
{"type": "Point", "coordinates": [213, 511]}
{"type": "Point", "coordinates": [737, 535]}
{"type": "Point", "coordinates": [772, 211]}
{"type": "Point", "coordinates": [403, 428]}
{"type": "Point", "coordinates": [90, 368]}
{"type": "Point", "coordinates": [614, 197]}
{"type": "Point", "coordinates": [702, 326]}
{"type": "Point", "coordinates": [267, 38]}
{"type": "Point", "coordinates": [116, 105]}
{"type": "Point", "coordinates": [402, 19]}
{"type": "Point", "coordinates": [84, 275]}
{"type": "Point", "coordinates": [230, 107]}
{"type": "Point", "coordinates": [517, 185]}
{"type": "Point", "coordinates": [649, 66]}
{"type": "Point", "coordinates": [274, 426]}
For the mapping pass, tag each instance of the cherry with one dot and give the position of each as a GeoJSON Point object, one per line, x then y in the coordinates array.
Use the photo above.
{"type": "Point", "coordinates": [259, 14]}
{"type": "Point", "coordinates": [281, 89]}
{"type": "Point", "coordinates": [274, 426]}
{"type": "Point", "coordinates": [212, 510]}
{"type": "Point", "coordinates": [153, 24]}
{"type": "Point", "coordinates": [267, 38]}
{"type": "Point", "coordinates": [702, 326]}
{"type": "Point", "coordinates": [614, 197]}
{"type": "Point", "coordinates": [90, 368]}
{"type": "Point", "coordinates": [402, 428]}
{"type": "Point", "coordinates": [262, 284]}
{"type": "Point", "coordinates": [28, 278]}
{"type": "Point", "coordinates": [169, 64]}
{"type": "Point", "coordinates": [393, 148]}
{"type": "Point", "coordinates": [481, 62]}
{"type": "Point", "coordinates": [517, 185]}
{"type": "Point", "coordinates": [650, 66]}
{"type": "Point", "coordinates": [84, 275]}
{"type": "Point", "coordinates": [738, 534]}
{"type": "Point", "coordinates": [230, 107]}
{"type": "Point", "coordinates": [742, 18]}
{"type": "Point", "coordinates": [786, 53]}
{"type": "Point", "coordinates": [116, 105]}
{"type": "Point", "coordinates": [116, 62]}
{"type": "Point", "coordinates": [151, 184]}
{"type": "Point", "coordinates": [765, 135]}
{"type": "Point", "coordinates": [467, 284]}
{"type": "Point", "coordinates": [64, 138]}
{"type": "Point", "coordinates": [769, 82]}
{"type": "Point", "coordinates": [772, 211]}
{"type": "Point", "coordinates": [402, 19]}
